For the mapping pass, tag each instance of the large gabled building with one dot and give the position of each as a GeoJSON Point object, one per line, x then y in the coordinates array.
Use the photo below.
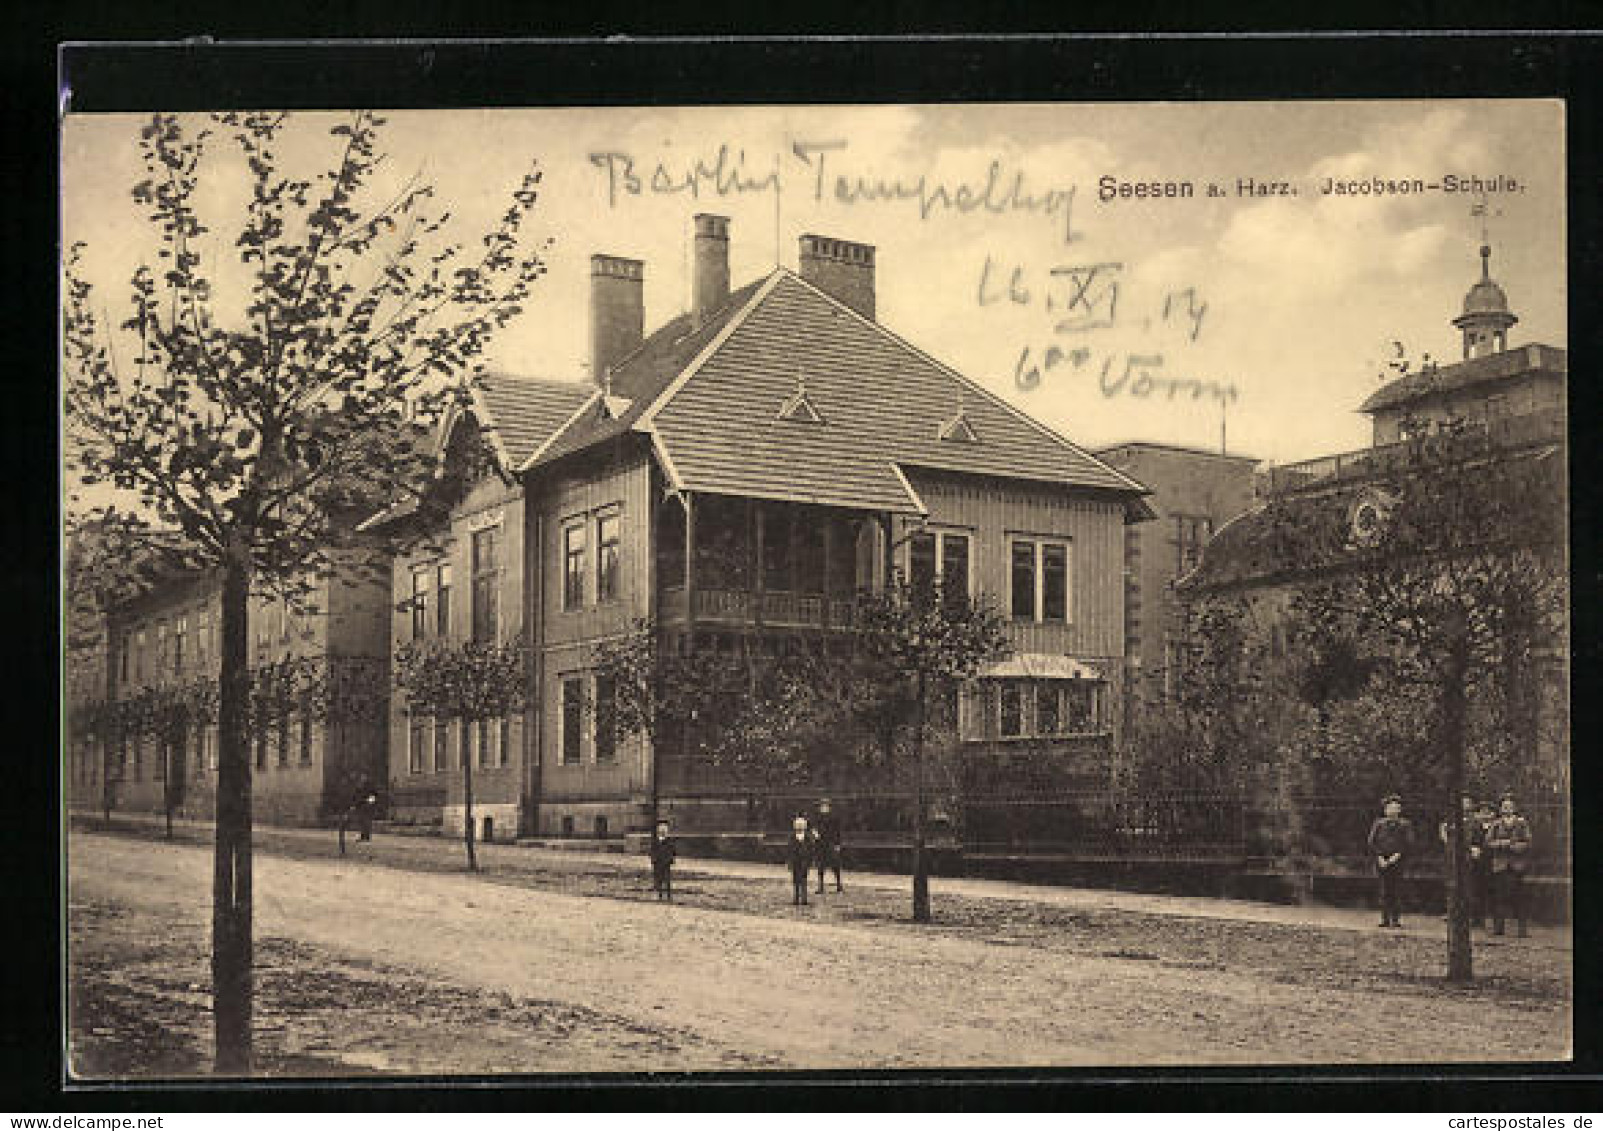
{"type": "Point", "coordinates": [737, 477]}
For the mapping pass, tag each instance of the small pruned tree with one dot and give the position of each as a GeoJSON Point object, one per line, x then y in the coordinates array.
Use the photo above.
{"type": "Point", "coordinates": [917, 644]}
{"type": "Point", "coordinates": [468, 682]}
{"type": "Point", "coordinates": [280, 375]}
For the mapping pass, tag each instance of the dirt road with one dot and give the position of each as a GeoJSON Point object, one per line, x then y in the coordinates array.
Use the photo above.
{"type": "Point", "coordinates": [677, 987]}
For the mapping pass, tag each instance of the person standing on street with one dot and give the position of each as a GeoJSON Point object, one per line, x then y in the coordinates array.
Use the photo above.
{"type": "Point", "coordinates": [366, 807]}
{"type": "Point", "coordinates": [1508, 839]}
{"type": "Point", "coordinates": [1475, 841]}
{"type": "Point", "coordinates": [827, 828]}
{"type": "Point", "coordinates": [1481, 862]}
{"type": "Point", "coordinates": [1391, 838]}
{"type": "Point", "coordinates": [799, 856]}
{"type": "Point", "coordinates": [663, 854]}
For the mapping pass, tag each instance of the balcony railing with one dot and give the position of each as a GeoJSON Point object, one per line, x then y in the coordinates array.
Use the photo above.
{"type": "Point", "coordinates": [1386, 459]}
{"type": "Point", "coordinates": [780, 609]}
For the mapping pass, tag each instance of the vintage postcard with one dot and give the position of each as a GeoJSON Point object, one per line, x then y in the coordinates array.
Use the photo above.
{"type": "Point", "coordinates": [705, 588]}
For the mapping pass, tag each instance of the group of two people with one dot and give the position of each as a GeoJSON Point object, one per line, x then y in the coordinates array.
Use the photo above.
{"type": "Point", "coordinates": [1498, 847]}
{"type": "Point", "coordinates": [814, 843]}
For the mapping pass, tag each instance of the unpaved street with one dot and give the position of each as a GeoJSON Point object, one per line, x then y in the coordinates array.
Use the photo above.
{"type": "Point", "coordinates": [513, 978]}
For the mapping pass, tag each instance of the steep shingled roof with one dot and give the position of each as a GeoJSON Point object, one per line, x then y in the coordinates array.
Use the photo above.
{"type": "Point", "coordinates": [643, 375]}
{"type": "Point", "coordinates": [1545, 360]}
{"type": "Point", "coordinates": [883, 404]}
{"type": "Point", "coordinates": [522, 412]}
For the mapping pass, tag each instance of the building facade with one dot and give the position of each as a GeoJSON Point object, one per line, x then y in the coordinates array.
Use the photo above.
{"type": "Point", "coordinates": [735, 479]}
{"type": "Point", "coordinates": [308, 761]}
{"type": "Point", "coordinates": [1194, 493]}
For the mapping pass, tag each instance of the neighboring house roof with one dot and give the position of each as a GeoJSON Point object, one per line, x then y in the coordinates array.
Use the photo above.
{"type": "Point", "coordinates": [1543, 360]}
{"type": "Point", "coordinates": [711, 399]}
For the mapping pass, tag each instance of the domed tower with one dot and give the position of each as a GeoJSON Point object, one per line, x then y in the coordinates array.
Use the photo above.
{"type": "Point", "coordinates": [1486, 316]}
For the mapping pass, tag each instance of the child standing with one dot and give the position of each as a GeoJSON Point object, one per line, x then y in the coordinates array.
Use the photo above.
{"type": "Point", "coordinates": [1391, 838]}
{"type": "Point", "coordinates": [799, 857]}
{"type": "Point", "coordinates": [663, 854]}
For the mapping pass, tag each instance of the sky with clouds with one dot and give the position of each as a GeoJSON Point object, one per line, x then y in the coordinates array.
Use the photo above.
{"type": "Point", "coordinates": [1277, 314]}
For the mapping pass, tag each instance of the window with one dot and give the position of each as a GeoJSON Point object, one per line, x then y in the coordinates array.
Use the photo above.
{"type": "Point", "coordinates": [161, 650]}
{"type": "Point", "coordinates": [1080, 706]}
{"type": "Point", "coordinates": [285, 617]}
{"type": "Point", "coordinates": [954, 563]}
{"type": "Point", "coordinates": [203, 636]}
{"type": "Point", "coordinates": [123, 648]}
{"type": "Point", "coordinates": [442, 745]}
{"type": "Point", "coordinates": [573, 549]}
{"type": "Point", "coordinates": [420, 603]}
{"type": "Point", "coordinates": [180, 635]}
{"type": "Point", "coordinates": [211, 747]}
{"type": "Point", "coordinates": [1191, 533]}
{"type": "Point", "coordinates": [295, 724]}
{"type": "Point", "coordinates": [486, 582]}
{"type": "Point", "coordinates": [505, 748]}
{"type": "Point", "coordinates": [921, 561]}
{"type": "Point", "coordinates": [486, 753]}
{"type": "Point", "coordinates": [416, 746]}
{"type": "Point", "coordinates": [606, 719]}
{"type": "Point", "coordinates": [941, 555]}
{"type": "Point", "coordinates": [1047, 718]}
{"type": "Point", "coordinates": [1040, 580]}
{"type": "Point", "coordinates": [442, 599]}
{"type": "Point", "coordinates": [1054, 582]}
{"type": "Point", "coordinates": [1012, 709]}
{"type": "Point", "coordinates": [283, 739]}
{"type": "Point", "coordinates": [572, 720]}
{"type": "Point", "coordinates": [607, 534]}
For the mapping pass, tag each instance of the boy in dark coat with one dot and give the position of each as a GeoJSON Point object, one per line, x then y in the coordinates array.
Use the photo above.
{"type": "Point", "coordinates": [799, 857]}
{"type": "Point", "coordinates": [1508, 839]}
{"type": "Point", "coordinates": [1391, 838]}
{"type": "Point", "coordinates": [827, 828]}
{"type": "Point", "coordinates": [1475, 843]}
{"type": "Point", "coordinates": [663, 853]}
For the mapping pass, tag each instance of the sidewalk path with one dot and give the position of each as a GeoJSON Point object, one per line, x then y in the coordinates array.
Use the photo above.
{"type": "Point", "coordinates": [400, 848]}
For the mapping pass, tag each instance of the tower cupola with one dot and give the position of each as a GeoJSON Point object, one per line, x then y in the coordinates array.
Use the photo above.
{"type": "Point", "coordinates": [1486, 318]}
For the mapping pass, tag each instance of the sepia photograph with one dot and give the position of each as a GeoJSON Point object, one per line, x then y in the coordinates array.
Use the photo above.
{"type": "Point", "coordinates": [851, 587]}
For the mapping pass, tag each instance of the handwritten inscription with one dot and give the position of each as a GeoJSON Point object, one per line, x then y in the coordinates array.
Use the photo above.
{"type": "Point", "coordinates": [828, 172]}
{"type": "Point", "coordinates": [1128, 374]}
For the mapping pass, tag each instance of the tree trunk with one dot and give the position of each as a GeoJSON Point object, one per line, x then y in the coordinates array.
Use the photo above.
{"type": "Point", "coordinates": [231, 881]}
{"type": "Point", "coordinates": [467, 796]}
{"type": "Point", "coordinates": [921, 878]}
{"type": "Point", "coordinates": [1460, 962]}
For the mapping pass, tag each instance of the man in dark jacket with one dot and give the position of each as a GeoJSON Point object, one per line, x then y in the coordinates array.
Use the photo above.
{"type": "Point", "coordinates": [663, 852]}
{"type": "Point", "coordinates": [1508, 840]}
{"type": "Point", "coordinates": [827, 828]}
{"type": "Point", "coordinates": [1391, 838]}
{"type": "Point", "coordinates": [1475, 845]}
{"type": "Point", "coordinates": [799, 849]}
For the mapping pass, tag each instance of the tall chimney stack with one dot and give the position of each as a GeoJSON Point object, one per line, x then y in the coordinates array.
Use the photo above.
{"type": "Point", "coordinates": [841, 269]}
{"type": "Point", "coordinates": [617, 312]}
{"type": "Point", "coordinates": [709, 287]}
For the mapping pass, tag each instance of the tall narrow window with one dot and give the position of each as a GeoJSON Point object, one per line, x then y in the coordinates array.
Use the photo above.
{"type": "Point", "coordinates": [921, 562]}
{"type": "Point", "coordinates": [606, 719]}
{"type": "Point", "coordinates": [1054, 581]}
{"type": "Point", "coordinates": [572, 720]}
{"type": "Point", "coordinates": [161, 650]}
{"type": "Point", "coordinates": [486, 747]}
{"type": "Point", "coordinates": [486, 582]}
{"type": "Point", "coordinates": [1047, 699]}
{"type": "Point", "coordinates": [139, 656]}
{"type": "Point", "coordinates": [123, 648]}
{"type": "Point", "coordinates": [954, 564]}
{"type": "Point", "coordinates": [607, 540]}
{"type": "Point", "coordinates": [573, 547]}
{"type": "Point", "coordinates": [420, 603]}
{"type": "Point", "coordinates": [505, 749]}
{"type": "Point", "coordinates": [442, 600]}
{"type": "Point", "coordinates": [180, 637]}
{"type": "Point", "coordinates": [1023, 578]}
{"type": "Point", "coordinates": [442, 745]}
{"type": "Point", "coordinates": [1012, 709]}
{"type": "Point", "coordinates": [418, 746]}
{"type": "Point", "coordinates": [203, 637]}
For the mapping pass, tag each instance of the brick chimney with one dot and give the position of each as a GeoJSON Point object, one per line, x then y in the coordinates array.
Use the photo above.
{"type": "Point", "coordinates": [617, 311]}
{"type": "Point", "coordinates": [841, 269]}
{"type": "Point", "coordinates": [709, 285]}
